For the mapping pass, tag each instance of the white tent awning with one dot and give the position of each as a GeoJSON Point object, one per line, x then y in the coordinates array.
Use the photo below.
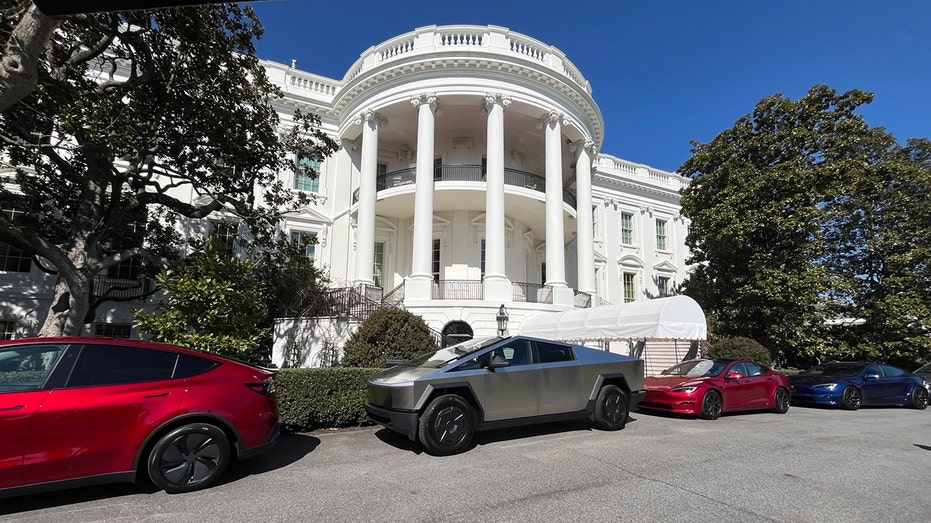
{"type": "Point", "coordinates": [673, 318]}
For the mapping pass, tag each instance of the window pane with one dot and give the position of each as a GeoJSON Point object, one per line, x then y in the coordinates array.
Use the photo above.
{"type": "Point", "coordinates": [191, 366]}
{"type": "Point", "coordinates": [629, 291]}
{"type": "Point", "coordinates": [436, 260]}
{"type": "Point", "coordinates": [7, 329]}
{"type": "Point", "coordinates": [660, 235]}
{"type": "Point", "coordinates": [226, 235]}
{"type": "Point", "coordinates": [27, 367]}
{"type": "Point", "coordinates": [113, 330]}
{"type": "Point", "coordinates": [627, 228]}
{"type": "Point", "coordinates": [110, 365]}
{"type": "Point", "coordinates": [379, 262]}
{"type": "Point", "coordinates": [550, 352]}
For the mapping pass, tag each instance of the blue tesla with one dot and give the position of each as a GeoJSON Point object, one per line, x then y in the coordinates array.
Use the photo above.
{"type": "Point", "coordinates": [851, 384]}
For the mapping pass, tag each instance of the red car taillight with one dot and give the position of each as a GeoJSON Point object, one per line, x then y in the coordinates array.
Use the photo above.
{"type": "Point", "coordinates": [266, 387]}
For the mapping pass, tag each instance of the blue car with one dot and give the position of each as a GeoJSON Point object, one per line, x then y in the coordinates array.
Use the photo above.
{"type": "Point", "coordinates": [851, 384]}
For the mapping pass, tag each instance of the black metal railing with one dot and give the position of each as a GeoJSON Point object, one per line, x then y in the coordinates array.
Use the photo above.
{"type": "Point", "coordinates": [123, 289]}
{"type": "Point", "coordinates": [531, 292]}
{"type": "Point", "coordinates": [458, 290]}
{"type": "Point", "coordinates": [466, 173]}
{"type": "Point", "coordinates": [394, 297]}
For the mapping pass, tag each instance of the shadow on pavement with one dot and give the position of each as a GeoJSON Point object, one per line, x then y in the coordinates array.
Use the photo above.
{"type": "Point", "coordinates": [289, 449]}
{"type": "Point", "coordinates": [490, 437]}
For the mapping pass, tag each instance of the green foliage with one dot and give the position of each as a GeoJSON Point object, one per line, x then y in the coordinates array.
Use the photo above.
{"type": "Point", "coordinates": [310, 399]}
{"type": "Point", "coordinates": [178, 98]}
{"type": "Point", "coordinates": [211, 304]}
{"type": "Point", "coordinates": [741, 348]}
{"type": "Point", "coordinates": [802, 213]}
{"type": "Point", "coordinates": [388, 333]}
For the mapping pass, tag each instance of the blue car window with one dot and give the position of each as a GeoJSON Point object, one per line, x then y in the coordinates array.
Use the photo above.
{"type": "Point", "coordinates": [890, 371]}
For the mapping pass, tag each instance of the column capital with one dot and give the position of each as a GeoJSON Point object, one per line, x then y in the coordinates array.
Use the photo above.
{"type": "Point", "coordinates": [371, 116]}
{"type": "Point", "coordinates": [425, 99]}
{"type": "Point", "coordinates": [552, 117]}
{"type": "Point", "coordinates": [495, 98]}
{"type": "Point", "coordinates": [586, 144]}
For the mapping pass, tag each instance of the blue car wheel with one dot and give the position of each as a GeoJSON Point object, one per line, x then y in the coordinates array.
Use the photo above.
{"type": "Point", "coordinates": [851, 398]}
{"type": "Point", "coordinates": [920, 398]}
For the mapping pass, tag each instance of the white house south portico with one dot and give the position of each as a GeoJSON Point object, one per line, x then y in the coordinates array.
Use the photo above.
{"type": "Point", "coordinates": [471, 177]}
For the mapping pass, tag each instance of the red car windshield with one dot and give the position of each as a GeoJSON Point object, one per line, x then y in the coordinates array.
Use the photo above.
{"type": "Point", "coordinates": [697, 368]}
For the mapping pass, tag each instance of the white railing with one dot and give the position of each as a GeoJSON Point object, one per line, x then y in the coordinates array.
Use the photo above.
{"type": "Point", "coordinates": [610, 165]}
{"type": "Point", "coordinates": [477, 39]}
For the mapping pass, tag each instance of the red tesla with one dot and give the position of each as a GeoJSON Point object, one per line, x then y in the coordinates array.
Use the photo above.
{"type": "Point", "coordinates": [78, 411]}
{"type": "Point", "coordinates": [706, 388]}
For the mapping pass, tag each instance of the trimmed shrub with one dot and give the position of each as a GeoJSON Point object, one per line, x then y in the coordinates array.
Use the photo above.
{"type": "Point", "coordinates": [741, 348]}
{"type": "Point", "coordinates": [388, 333]}
{"type": "Point", "coordinates": [310, 399]}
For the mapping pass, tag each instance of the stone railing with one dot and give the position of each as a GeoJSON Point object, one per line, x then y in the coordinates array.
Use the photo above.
{"type": "Point", "coordinates": [474, 39]}
{"type": "Point", "coordinates": [610, 165]}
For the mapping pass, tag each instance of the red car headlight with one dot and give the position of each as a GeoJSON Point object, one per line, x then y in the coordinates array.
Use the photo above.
{"type": "Point", "coordinates": [686, 390]}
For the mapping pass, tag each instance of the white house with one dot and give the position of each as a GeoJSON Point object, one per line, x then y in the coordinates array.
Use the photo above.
{"type": "Point", "coordinates": [469, 176]}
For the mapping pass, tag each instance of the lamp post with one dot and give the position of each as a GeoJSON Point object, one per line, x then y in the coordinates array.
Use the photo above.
{"type": "Point", "coordinates": [502, 318]}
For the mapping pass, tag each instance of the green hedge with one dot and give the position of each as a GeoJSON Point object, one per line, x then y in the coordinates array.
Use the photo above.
{"type": "Point", "coordinates": [310, 399]}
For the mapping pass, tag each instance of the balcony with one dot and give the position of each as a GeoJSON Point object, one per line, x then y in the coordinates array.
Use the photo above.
{"type": "Point", "coordinates": [466, 173]}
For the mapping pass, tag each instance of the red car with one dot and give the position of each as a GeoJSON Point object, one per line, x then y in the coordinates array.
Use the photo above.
{"type": "Point", "coordinates": [706, 388]}
{"type": "Point", "coordinates": [78, 411]}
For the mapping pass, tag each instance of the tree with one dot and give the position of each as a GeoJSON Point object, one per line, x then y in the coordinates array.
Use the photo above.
{"type": "Point", "coordinates": [388, 333]}
{"type": "Point", "coordinates": [877, 228]}
{"type": "Point", "coordinates": [22, 53]}
{"type": "Point", "coordinates": [143, 122]}
{"type": "Point", "coordinates": [779, 206]}
{"type": "Point", "coordinates": [212, 303]}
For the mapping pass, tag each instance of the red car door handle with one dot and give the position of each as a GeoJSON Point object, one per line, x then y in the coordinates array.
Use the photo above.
{"type": "Point", "coordinates": [162, 395]}
{"type": "Point", "coordinates": [12, 408]}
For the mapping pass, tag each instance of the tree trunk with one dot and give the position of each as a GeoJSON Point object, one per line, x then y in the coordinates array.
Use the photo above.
{"type": "Point", "coordinates": [19, 63]}
{"type": "Point", "coordinates": [68, 310]}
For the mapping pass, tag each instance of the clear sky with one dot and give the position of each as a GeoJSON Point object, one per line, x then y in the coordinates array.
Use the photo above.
{"type": "Point", "coordinates": [663, 72]}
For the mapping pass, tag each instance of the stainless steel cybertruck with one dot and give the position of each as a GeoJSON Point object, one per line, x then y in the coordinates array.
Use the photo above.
{"type": "Point", "coordinates": [441, 399]}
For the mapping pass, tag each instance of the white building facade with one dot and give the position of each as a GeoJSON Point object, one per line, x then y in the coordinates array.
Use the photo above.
{"type": "Point", "coordinates": [469, 176]}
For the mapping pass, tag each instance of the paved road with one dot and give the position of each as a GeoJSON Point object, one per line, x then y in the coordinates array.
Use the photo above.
{"type": "Point", "coordinates": [809, 465]}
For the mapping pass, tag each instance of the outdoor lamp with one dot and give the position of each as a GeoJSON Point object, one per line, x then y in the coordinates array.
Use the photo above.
{"type": "Point", "coordinates": [502, 318]}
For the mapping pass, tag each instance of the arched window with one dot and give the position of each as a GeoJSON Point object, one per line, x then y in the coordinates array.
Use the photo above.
{"type": "Point", "coordinates": [456, 332]}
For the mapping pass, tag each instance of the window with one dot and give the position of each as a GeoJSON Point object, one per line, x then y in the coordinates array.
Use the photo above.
{"type": "Point", "coordinates": [543, 272]}
{"type": "Point", "coordinates": [26, 367]}
{"type": "Point", "coordinates": [113, 330]}
{"type": "Point", "coordinates": [13, 259]}
{"type": "Point", "coordinates": [110, 365]}
{"type": "Point", "coordinates": [629, 290]}
{"type": "Point", "coordinates": [379, 263]}
{"type": "Point", "coordinates": [627, 228]}
{"type": "Point", "coordinates": [307, 174]}
{"type": "Point", "coordinates": [662, 283]}
{"type": "Point", "coordinates": [482, 261]}
{"type": "Point", "coordinates": [550, 352]}
{"type": "Point", "coordinates": [436, 261]}
{"type": "Point", "coordinates": [305, 241]}
{"type": "Point", "coordinates": [484, 166]}
{"type": "Point", "coordinates": [7, 329]}
{"type": "Point", "coordinates": [437, 168]}
{"type": "Point", "coordinates": [126, 270]}
{"type": "Point", "coordinates": [226, 234]}
{"type": "Point", "coordinates": [515, 353]}
{"type": "Point", "coordinates": [381, 176]}
{"type": "Point", "coordinates": [661, 235]}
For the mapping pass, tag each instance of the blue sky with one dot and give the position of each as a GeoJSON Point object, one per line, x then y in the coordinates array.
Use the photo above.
{"type": "Point", "coordinates": [663, 72]}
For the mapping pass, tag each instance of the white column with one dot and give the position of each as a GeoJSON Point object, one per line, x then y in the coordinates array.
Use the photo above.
{"type": "Point", "coordinates": [585, 236]}
{"type": "Point", "coordinates": [365, 217]}
{"type": "Point", "coordinates": [555, 234]}
{"type": "Point", "coordinates": [420, 283]}
{"type": "Point", "coordinates": [497, 287]}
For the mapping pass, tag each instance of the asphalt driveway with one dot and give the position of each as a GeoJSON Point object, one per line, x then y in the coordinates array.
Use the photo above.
{"type": "Point", "coordinates": [808, 465]}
